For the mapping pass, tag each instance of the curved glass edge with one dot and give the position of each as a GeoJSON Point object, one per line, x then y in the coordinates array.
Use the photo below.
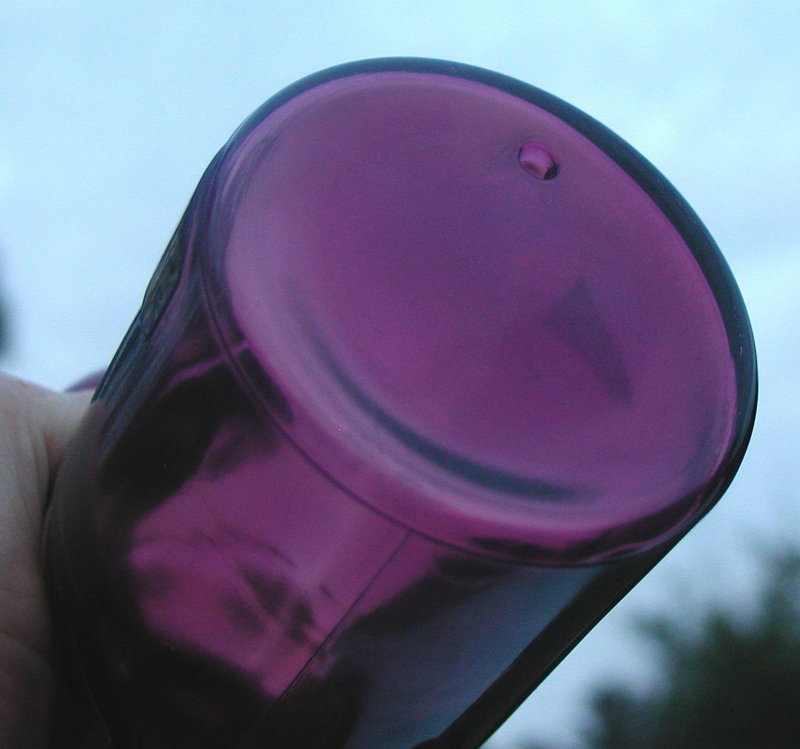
{"type": "Point", "coordinates": [499, 701]}
{"type": "Point", "coordinates": [664, 195]}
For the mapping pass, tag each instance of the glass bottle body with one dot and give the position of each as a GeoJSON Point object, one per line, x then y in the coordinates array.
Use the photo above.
{"type": "Point", "coordinates": [400, 418]}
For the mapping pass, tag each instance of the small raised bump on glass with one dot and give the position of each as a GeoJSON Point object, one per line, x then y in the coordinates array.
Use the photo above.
{"type": "Point", "coordinates": [537, 161]}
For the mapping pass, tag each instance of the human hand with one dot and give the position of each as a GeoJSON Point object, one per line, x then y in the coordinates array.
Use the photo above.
{"type": "Point", "coordinates": [35, 426]}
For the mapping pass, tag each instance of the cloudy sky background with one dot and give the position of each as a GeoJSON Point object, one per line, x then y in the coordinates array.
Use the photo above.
{"type": "Point", "coordinates": [110, 111]}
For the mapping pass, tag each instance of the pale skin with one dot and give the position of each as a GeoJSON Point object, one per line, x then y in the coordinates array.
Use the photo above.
{"type": "Point", "coordinates": [35, 426]}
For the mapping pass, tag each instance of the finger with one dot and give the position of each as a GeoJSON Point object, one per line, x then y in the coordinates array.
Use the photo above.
{"type": "Point", "coordinates": [35, 427]}
{"type": "Point", "coordinates": [60, 416]}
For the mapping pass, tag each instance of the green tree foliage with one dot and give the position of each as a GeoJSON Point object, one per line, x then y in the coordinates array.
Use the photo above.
{"type": "Point", "coordinates": [729, 683]}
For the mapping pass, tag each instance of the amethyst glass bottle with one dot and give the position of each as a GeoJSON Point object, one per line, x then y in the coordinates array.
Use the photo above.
{"type": "Point", "coordinates": [434, 369]}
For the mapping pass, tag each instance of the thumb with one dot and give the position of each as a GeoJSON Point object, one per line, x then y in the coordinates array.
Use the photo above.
{"type": "Point", "coordinates": [60, 415]}
{"type": "Point", "coordinates": [35, 426]}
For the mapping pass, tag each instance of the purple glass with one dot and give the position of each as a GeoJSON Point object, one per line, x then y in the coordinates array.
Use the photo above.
{"type": "Point", "coordinates": [434, 369]}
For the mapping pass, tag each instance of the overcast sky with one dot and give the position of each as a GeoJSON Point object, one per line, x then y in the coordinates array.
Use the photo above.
{"type": "Point", "coordinates": [111, 111]}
